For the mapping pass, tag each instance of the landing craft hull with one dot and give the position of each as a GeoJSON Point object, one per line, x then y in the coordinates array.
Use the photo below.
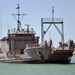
{"type": "Point", "coordinates": [42, 55]}
{"type": "Point", "coordinates": [49, 56]}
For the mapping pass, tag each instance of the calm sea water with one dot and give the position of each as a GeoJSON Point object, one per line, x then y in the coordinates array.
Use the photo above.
{"type": "Point", "coordinates": [38, 69]}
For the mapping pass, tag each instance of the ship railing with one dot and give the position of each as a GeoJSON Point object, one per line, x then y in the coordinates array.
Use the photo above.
{"type": "Point", "coordinates": [52, 19]}
{"type": "Point", "coordinates": [21, 32]}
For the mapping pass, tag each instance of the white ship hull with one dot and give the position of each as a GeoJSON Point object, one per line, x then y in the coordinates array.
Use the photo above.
{"type": "Point", "coordinates": [46, 55]}
{"type": "Point", "coordinates": [37, 53]}
{"type": "Point", "coordinates": [42, 55]}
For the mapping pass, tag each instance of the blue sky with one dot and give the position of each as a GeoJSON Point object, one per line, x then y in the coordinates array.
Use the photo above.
{"type": "Point", "coordinates": [35, 10]}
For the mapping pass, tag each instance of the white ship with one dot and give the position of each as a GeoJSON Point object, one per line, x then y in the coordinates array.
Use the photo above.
{"type": "Point", "coordinates": [21, 45]}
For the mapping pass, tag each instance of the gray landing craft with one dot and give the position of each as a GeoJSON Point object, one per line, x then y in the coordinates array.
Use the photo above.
{"type": "Point", "coordinates": [22, 46]}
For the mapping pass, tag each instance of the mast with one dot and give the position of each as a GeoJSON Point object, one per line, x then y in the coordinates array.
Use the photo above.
{"type": "Point", "coordinates": [18, 18]}
{"type": "Point", "coordinates": [18, 21]}
{"type": "Point", "coordinates": [52, 14]}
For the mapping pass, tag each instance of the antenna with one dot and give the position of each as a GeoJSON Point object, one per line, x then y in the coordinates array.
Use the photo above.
{"type": "Point", "coordinates": [0, 28]}
{"type": "Point", "coordinates": [50, 34]}
{"type": "Point", "coordinates": [1, 24]}
{"type": "Point", "coordinates": [52, 14]}
{"type": "Point", "coordinates": [18, 19]}
{"type": "Point", "coordinates": [27, 27]}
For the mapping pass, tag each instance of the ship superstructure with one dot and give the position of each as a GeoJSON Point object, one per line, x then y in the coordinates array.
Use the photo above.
{"type": "Point", "coordinates": [18, 38]}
